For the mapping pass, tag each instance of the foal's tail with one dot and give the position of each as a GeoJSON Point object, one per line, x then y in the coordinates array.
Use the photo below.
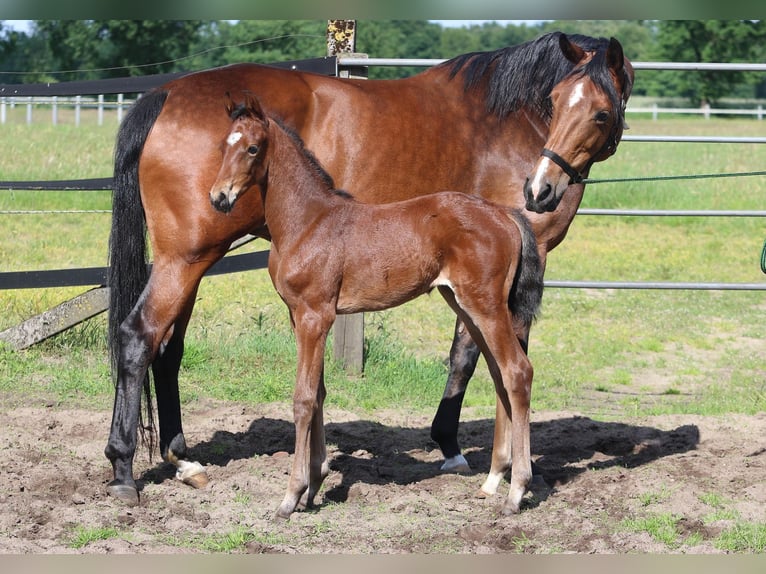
{"type": "Point", "coordinates": [128, 273]}
{"type": "Point", "coordinates": [527, 290]}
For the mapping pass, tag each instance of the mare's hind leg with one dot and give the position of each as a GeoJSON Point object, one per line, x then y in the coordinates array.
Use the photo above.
{"type": "Point", "coordinates": [141, 333]}
{"type": "Point", "coordinates": [165, 369]}
{"type": "Point", "coordinates": [464, 356]}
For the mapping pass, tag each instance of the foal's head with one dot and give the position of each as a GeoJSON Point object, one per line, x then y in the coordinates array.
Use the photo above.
{"type": "Point", "coordinates": [244, 151]}
{"type": "Point", "coordinates": [587, 122]}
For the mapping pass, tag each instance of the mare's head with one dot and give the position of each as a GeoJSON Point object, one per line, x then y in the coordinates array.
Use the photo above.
{"type": "Point", "coordinates": [587, 122]}
{"type": "Point", "coordinates": [244, 151]}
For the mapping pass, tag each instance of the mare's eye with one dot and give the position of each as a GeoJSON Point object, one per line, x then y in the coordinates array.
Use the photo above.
{"type": "Point", "coordinates": [602, 117]}
{"type": "Point", "coordinates": [252, 149]}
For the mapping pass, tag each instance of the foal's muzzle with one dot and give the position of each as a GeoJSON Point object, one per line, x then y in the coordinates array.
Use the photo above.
{"type": "Point", "coordinates": [222, 202]}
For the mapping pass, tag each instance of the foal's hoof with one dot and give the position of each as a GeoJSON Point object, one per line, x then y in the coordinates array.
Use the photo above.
{"type": "Point", "coordinates": [510, 508]}
{"type": "Point", "coordinates": [482, 494]}
{"type": "Point", "coordinates": [193, 474]}
{"type": "Point", "coordinates": [124, 493]}
{"type": "Point", "coordinates": [282, 514]}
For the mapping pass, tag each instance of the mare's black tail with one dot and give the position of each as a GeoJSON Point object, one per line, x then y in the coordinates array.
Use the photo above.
{"type": "Point", "coordinates": [128, 272]}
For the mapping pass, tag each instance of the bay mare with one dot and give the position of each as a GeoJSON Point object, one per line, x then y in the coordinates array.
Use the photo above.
{"type": "Point", "coordinates": [475, 124]}
{"type": "Point", "coordinates": [331, 254]}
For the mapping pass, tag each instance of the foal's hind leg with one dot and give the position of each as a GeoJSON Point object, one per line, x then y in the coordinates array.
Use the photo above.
{"type": "Point", "coordinates": [464, 356]}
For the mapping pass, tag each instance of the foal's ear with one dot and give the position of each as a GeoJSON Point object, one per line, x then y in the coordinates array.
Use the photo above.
{"type": "Point", "coordinates": [253, 107]}
{"type": "Point", "coordinates": [229, 103]}
{"type": "Point", "coordinates": [572, 52]}
{"type": "Point", "coordinates": [614, 56]}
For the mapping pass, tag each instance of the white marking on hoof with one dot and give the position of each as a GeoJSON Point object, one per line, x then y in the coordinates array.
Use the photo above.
{"type": "Point", "coordinates": [192, 473]}
{"type": "Point", "coordinates": [491, 483]}
{"type": "Point", "coordinates": [457, 463]}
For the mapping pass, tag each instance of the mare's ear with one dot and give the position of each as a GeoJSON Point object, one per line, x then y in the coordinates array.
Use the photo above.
{"type": "Point", "coordinates": [253, 107]}
{"type": "Point", "coordinates": [572, 52]}
{"type": "Point", "coordinates": [614, 56]}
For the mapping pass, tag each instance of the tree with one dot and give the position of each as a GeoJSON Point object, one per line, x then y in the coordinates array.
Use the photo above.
{"type": "Point", "coordinates": [113, 48]}
{"type": "Point", "coordinates": [709, 41]}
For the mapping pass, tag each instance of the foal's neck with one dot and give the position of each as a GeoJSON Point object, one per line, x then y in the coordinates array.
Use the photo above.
{"type": "Point", "coordinates": [299, 191]}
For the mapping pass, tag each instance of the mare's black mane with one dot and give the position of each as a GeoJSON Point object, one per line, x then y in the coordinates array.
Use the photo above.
{"type": "Point", "coordinates": [524, 75]}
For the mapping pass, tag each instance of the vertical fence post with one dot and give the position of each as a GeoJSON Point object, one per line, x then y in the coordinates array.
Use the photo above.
{"type": "Point", "coordinates": [77, 102]}
{"type": "Point", "coordinates": [29, 110]}
{"type": "Point", "coordinates": [119, 107]}
{"type": "Point", "coordinates": [55, 111]}
{"type": "Point", "coordinates": [3, 112]}
{"type": "Point", "coordinates": [101, 109]}
{"type": "Point", "coordinates": [348, 330]}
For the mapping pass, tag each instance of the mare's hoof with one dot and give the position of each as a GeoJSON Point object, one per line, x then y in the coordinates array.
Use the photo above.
{"type": "Point", "coordinates": [282, 515]}
{"type": "Point", "coordinates": [481, 494]}
{"type": "Point", "coordinates": [124, 493]}
{"type": "Point", "coordinates": [197, 481]}
{"type": "Point", "coordinates": [457, 464]}
{"type": "Point", "coordinates": [192, 473]}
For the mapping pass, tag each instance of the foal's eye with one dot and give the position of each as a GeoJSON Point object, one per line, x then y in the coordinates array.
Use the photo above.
{"type": "Point", "coordinates": [602, 117]}
{"type": "Point", "coordinates": [252, 149]}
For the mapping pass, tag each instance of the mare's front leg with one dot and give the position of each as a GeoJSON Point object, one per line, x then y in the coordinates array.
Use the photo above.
{"type": "Point", "coordinates": [464, 356]}
{"type": "Point", "coordinates": [309, 461]}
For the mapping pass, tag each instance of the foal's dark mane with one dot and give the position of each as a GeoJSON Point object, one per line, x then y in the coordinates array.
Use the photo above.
{"type": "Point", "coordinates": [524, 75]}
{"type": "Point", "coordinates": [241, 110]}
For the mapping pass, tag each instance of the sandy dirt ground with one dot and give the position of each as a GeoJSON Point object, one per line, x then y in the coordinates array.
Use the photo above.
{"type": "Point", "coordinates": [385, 492]}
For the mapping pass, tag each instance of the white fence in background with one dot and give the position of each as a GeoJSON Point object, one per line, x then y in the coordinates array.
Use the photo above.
{"type": "Point", "coordinates": [52, 105]}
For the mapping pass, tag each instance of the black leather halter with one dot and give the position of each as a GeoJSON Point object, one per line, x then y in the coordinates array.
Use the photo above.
{"type": "Point", "coordinates": [609, 147]}
{"type": "Point", "coordinates": [574, 175]}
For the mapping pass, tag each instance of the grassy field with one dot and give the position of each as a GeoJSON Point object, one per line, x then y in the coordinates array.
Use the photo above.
{"type": "Point", "coordinates": [601, 352]}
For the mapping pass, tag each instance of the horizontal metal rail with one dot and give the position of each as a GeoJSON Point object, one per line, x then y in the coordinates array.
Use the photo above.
{"type": "Point", "coordinates": [656, 285]}
{"type": "Point", "coordinates": [670, 212]}
{"type": "Point", "coordinates": [695, 139]}
{"type": "Point", "coordinates": [684, 66]}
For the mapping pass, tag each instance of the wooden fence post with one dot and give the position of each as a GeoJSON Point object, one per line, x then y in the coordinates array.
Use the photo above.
{"type": "Point", "coordinates": [348, 330]}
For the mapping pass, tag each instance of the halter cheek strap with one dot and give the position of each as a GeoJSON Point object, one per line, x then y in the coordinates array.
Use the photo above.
{"type": "Point", "coordinates": [574, 175]}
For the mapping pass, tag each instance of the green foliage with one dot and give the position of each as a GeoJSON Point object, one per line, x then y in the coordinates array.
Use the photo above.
{"type": "Point", "coordinates": [706, 41]}
{"type": "Point", "coordinates": [110, 48]}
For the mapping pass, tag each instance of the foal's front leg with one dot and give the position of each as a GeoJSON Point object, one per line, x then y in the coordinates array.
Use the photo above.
{"type": "Point", "coordinates": [311, 330]}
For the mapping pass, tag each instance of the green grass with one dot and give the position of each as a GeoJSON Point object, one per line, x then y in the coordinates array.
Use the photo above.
{"type": "Point", "coordinates": [640, 352]}
{"type": "Point", "coordinates": [661, 527]}
{"type": "Point", "coordinates": [83, 536]}
{"type": "Point", "coordinates": [229, 542]}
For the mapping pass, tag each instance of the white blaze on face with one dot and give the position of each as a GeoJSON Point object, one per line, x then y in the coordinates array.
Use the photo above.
{"type": "Point", "coordinates": [577, 94]}
{"type": "Point", "coordinates": [233, 138]}
{"type": "Point", "coordinates": [539, 178]}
